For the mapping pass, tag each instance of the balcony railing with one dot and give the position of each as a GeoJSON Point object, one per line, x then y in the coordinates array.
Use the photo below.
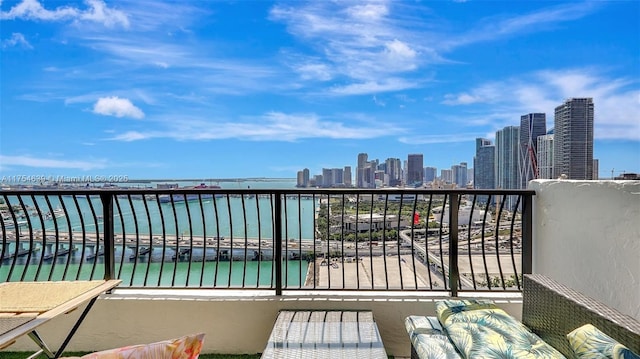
{"type": "Point", "coordinates": [302, 239]}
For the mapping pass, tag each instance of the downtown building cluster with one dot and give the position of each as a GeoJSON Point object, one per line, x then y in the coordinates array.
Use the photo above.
{"type": "Point", "coordinates": [529, 151]}
{"type": "Point", "coordinates": [519, 154]}
{"type": "Point", "coordinates": [389, 173]}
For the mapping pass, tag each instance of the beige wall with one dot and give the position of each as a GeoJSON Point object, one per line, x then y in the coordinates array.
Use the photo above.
{"type": "Point", "coordinates": [233, 324]}
{"type": "Point", "coordinates": [587, 236]}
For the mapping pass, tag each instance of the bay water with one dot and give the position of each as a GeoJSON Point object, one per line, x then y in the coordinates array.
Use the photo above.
{"type": "Point", "coordinates": [229, 217]}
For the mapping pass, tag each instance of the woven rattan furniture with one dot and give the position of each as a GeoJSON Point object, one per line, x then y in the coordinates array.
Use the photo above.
{"type": "Point", "coordinates": [324, 335]}
{"type": "Point", "coordinates": [552, 310]}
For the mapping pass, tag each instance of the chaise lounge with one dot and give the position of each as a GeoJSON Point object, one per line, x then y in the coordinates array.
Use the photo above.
{"type": "Point", "coordinates": [557, 322]}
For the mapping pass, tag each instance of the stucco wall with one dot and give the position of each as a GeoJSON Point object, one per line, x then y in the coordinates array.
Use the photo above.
{"type": "Point", "coordinates": [233, 324]}
{"type": "Point", "coordinates": [586, 234]}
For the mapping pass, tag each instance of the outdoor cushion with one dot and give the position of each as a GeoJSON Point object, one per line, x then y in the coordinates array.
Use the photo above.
{"type": "Point", "coordinates": [588, 342]}
{"type": "Point", "coordinates": [187, 347]}
{"type": "Point", "coordinates": [428, 339]}
{"type": "Point", "coordinates": [479, 329]}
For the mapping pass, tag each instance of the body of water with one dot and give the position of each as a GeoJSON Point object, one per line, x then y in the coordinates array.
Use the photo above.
{"type": "Point", "coordinates": [232, 217]}
{"type": "Point", "coordinates": [251, 274]}
{"type": "Point", "coordinates": [250, 217]}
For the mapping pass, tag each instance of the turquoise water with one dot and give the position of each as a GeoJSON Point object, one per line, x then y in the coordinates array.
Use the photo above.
{"type": "Point", "coordinates": [235, 274]}
{"type": "Point", "coordinates": [229, 217]}
{"type": "Point", "coordinates": [249, 217]}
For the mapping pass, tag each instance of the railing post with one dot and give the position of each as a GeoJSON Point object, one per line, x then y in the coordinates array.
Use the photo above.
{"type": "Point", "coordinates": [277, 248]}
{"type": "Point", "coordinates": [453, 244]}
{"type": "Point", "coordinates": [107, 230]}
{"type": "Point", "coordinates": [527, 234]}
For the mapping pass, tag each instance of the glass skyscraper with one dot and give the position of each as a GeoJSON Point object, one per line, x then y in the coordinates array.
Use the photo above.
{"type": "Point", "coordinates": [531, 126]}
{"type": "Point", "coordinates": [414, 169]}
{"type": "Point", "coordinates": [507, 142]}
{"type": "Point", "coordinates": [573, 139]}
{"type": "Point", "coordinates": [484, 164]}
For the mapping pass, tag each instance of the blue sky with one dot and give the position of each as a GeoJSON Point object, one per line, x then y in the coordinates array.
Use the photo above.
{"type": "Point", "coordinates": [219, 89]}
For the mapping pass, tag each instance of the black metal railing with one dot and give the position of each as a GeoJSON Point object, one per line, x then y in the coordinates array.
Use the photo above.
{"type": "Point", "coordinates": [298, 239]}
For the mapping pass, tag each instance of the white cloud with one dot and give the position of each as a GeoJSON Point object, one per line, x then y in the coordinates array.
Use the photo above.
{"type": "Point", "coordinates": [616, 100]}
{"type": "Point", "coordinates": [33, 10]}
{"type": "Point", "coordinates": [97, 12]}
{"type": "Point", "coordinates": [16, 39]}
{"type": "Point", "coordinates": [118, 107]}
{"type": "Point", "coordinates": [100, 13]}
{"type": "Point", "coordinates": [30, 161]}
{"type": "Point", "coordinates": [501, 26]}
{"type": "Point", "coordinates": [487, 93]}
{"type": "Point", "coordinates": [400, 55]}
{"type": "Point", "coordinates": [314, 71]}
{"type": "Point", "coordinates": [368, 12]}
{"type": "Point", "coordinates": [448, 138]}
{"type": "Point", "coordinates": [390, 84]}
{"type": "Point", "coordinates": [399, 50]}
{"type": "Point", "coordinates": [460, 99]}
{"type": "Point", "coordinates": [134, 136]}
{"type": "Point", "coordinates": [378, 102]}
{"type": "Point", "coordinates": [272, 126]}
{"type": "Point", "coordinates": [365, 44]}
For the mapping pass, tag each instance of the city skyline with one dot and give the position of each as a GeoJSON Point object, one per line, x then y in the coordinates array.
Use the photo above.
{"type": "Point", "coordinates": [159, 89]}
{"type": "Point", "coordinates": [519, 155]}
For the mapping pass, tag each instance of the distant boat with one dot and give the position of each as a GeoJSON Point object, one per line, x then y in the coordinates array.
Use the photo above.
{"type": "Point", "coordinates": [59, 212]}
{"type": "Point", "coordinates": [9, 223]}
{"type": "Point", "coordinates": [180, 197]}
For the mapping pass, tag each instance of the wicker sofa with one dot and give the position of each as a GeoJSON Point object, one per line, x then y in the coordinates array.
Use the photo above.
{"type": "Point", "coordinates": [552, 310]}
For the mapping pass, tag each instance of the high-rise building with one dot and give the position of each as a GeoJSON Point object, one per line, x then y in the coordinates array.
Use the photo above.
{"type": "Point", "coordinates": [362, 159]}
{"type": "Point", "coordinates": [596, 169]}
{"type": "Point", "coordinates": [369, 175]}
{"type": "Point", "coordinates": [507, 143]}
{"type": "Point", "coordinates": [303, 178]}
{"type": "Point", "coordinates": [393, 168]}
{"type": "Point", "coordinates": [446, 176]}
{"type": "Point", "coordinates": [531, 126]}
{"type": "Point", "coordinates": [338, 177]}
{"type": "Point", "coordinates": [327, 177]}
{"type": "Point", "coordinates": [545, 156]}
{"type": "Point", "coordinates": [332, 177]}
{"type": "Point", "coordinates": [362, 164]}
{"type": "Point", "coordinates": [379, 178]}
{"type": "Point", "coordinates": [484, 164]}
{"type": "Point", "coordinates": [414, 169]}
{"type": "Point", "coordinates": [430, 174]}
{"type": "Point", "coordinates": [459, 173]}
{"type": "Point", "coordinates": [347, 176]}
{"type": "Point", "coordinates": [573, 139]}
{"type": "Point", "coordinates": [299, 179]}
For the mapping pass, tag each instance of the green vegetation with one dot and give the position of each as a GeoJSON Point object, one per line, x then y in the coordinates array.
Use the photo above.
{"type": "Point", "coordinates": [496, 282]}
{"type": "Point", "coordinates": [331, 216]}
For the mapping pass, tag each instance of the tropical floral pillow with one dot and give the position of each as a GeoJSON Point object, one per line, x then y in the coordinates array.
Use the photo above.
{"type": "Point", "coordinates": [187, 347]}
{"type": "Point", "coordinates": [588, 342]}
{"type": "Point", "coordinates": [479, 329]}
